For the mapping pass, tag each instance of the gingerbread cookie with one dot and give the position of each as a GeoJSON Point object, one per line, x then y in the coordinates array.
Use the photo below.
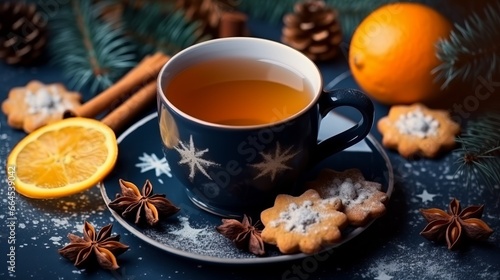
{"type": "Point", "coordinates": [37, 104]}
{"type": "Point", "coordinates": [305, 223]}
{"type": "Point", "coordinates": [362, 200]}
{"type": "Point", "coordinates": [418, 130]}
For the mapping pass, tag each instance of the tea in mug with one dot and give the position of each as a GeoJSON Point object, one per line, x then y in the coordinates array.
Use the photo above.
{"type": "Point", "coordinates": [239, 92]}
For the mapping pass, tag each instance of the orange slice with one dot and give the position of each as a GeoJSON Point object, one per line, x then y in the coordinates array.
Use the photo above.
{"type": "Point", "coordinates": [63, 158]}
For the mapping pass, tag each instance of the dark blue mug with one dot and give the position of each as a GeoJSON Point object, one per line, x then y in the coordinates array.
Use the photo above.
{"type": "Point", "coordinates": [230, 170]}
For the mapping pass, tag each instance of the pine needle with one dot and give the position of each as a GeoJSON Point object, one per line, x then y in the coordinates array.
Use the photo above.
{"type": "Point", "coordinates": [270, 11]}
{"type": "Point", "coordinates": [161, 27]}
{"type": "Point", "coordinates": [351, 13]}
{"type": "Point", "coordinates": [92, 53]}
{"type": "Point", "coordinates": [472, 49]}
{"type": "Point", "coordinates": [479, 151]}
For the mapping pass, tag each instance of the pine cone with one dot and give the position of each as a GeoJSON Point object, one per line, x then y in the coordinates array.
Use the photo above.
{"type": "Point", "coordinates": [205, 11]}
{"type": "Point", "coordinates": [23, 33]}
{"type": "Point", "coordinates": [314, 29]}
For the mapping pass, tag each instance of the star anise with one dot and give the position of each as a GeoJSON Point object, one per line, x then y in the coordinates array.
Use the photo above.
{"type": "Point", "coordinates": [100, 247]}
{"type": "Point", "coordinates": [244, 235]}
{"type": "Point", "coordinates": [142, 205]}
{"type": "Point", "coordinates": [455, 224]}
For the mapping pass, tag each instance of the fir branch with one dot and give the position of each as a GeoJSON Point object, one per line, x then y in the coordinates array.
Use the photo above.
{"type": "Point", "coordinates": [351, 13]}
{"type": "Point", "coordinates": [161, 27]}
{"type": "Point", "coordinates": [270, 11]}
{"type": "Point", "coordinates": [91, 52]}
{"type": "Point", "coordinates": [472, 49]}
{"type": "Point", "coordinates": [479, 151]}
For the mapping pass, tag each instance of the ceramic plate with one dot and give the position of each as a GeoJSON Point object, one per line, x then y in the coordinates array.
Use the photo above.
{"type": "Point", "coordinates": [191, 232]}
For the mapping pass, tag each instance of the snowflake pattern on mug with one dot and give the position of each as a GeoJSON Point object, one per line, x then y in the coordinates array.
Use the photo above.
{"type": "Point", "coordinates": [152, 162]}
{"type": "Point", "coordinates": [192, 157]}
{"type": "Point", "coordinates": [274, 162]}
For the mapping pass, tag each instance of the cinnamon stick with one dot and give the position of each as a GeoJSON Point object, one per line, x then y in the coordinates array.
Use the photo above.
{"type": "Point", "coordinates": [233, 24]}
{"type": "Point", "coordinates": [129, 109]}
{"type": "Point", "coordinates": [141, 75]}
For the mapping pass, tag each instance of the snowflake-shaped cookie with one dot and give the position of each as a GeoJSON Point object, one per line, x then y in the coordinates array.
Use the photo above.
{"type": "Point", "coordinates": [37, 104]}
{"type": "Point", "coordinates": [418, 130]}
{"type": "Point", "coordinates": [362, 200]}
{"type": "Point", "coordinates": [305, 223]}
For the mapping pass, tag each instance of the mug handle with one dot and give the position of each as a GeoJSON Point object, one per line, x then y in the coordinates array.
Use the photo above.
{"type": "Point", "coordinates": [330, 100]}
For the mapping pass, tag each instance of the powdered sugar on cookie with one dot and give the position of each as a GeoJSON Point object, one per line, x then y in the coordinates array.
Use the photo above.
{"type": "Point", "coordinates": [418, 124]}
{"type": "Point", "coordinates": [304, 223]}
{"type": "Point", "coordinates": [297, 217]}
{"type": "Point", "coordinates": [38, 104]}
{"type": "Point", "coordinates": [416, 130]}
{"type": "Point", "coordinates": [362, 200]}
{"type": "Point", "coordinates": [349, 192]}
{"type": "Point", "coordinates": [46, 101]}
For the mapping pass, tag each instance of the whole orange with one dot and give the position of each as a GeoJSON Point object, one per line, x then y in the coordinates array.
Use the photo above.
{"type": "Point", "coordinates": [393, 51]}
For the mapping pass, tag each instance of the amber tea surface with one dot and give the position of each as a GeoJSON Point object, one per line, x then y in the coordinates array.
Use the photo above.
{"type": "Point", "coordinates": [239, 92]}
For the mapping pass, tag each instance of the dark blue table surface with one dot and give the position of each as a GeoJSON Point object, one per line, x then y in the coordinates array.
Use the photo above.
{"type": "Point", "coordinates": [390, 249]}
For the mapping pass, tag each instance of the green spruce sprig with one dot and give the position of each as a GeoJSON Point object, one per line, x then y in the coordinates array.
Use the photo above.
{"type": "Point", "coordinates": [472, 49]}
{"type": "Point", "coordinates": [479, 150]}
{"type": "Point", "coordinates": [270, 11]}
{"type": "Point", "coordinates": [161, 27]}
{"type": "Point", "coordinates": [351, 13]}
{"type": "Point", "coordinates": [93, 53]}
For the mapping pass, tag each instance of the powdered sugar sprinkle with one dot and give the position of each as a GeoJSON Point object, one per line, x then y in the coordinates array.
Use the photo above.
{"type": "Point", "coordinates": [46, 101]}
{"type": "Point", "coordinates": [349, 192]}
{"type": "Point", "coordinates": [418, 124]}
{"type": "Point", "coordinates": [297, 218]}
